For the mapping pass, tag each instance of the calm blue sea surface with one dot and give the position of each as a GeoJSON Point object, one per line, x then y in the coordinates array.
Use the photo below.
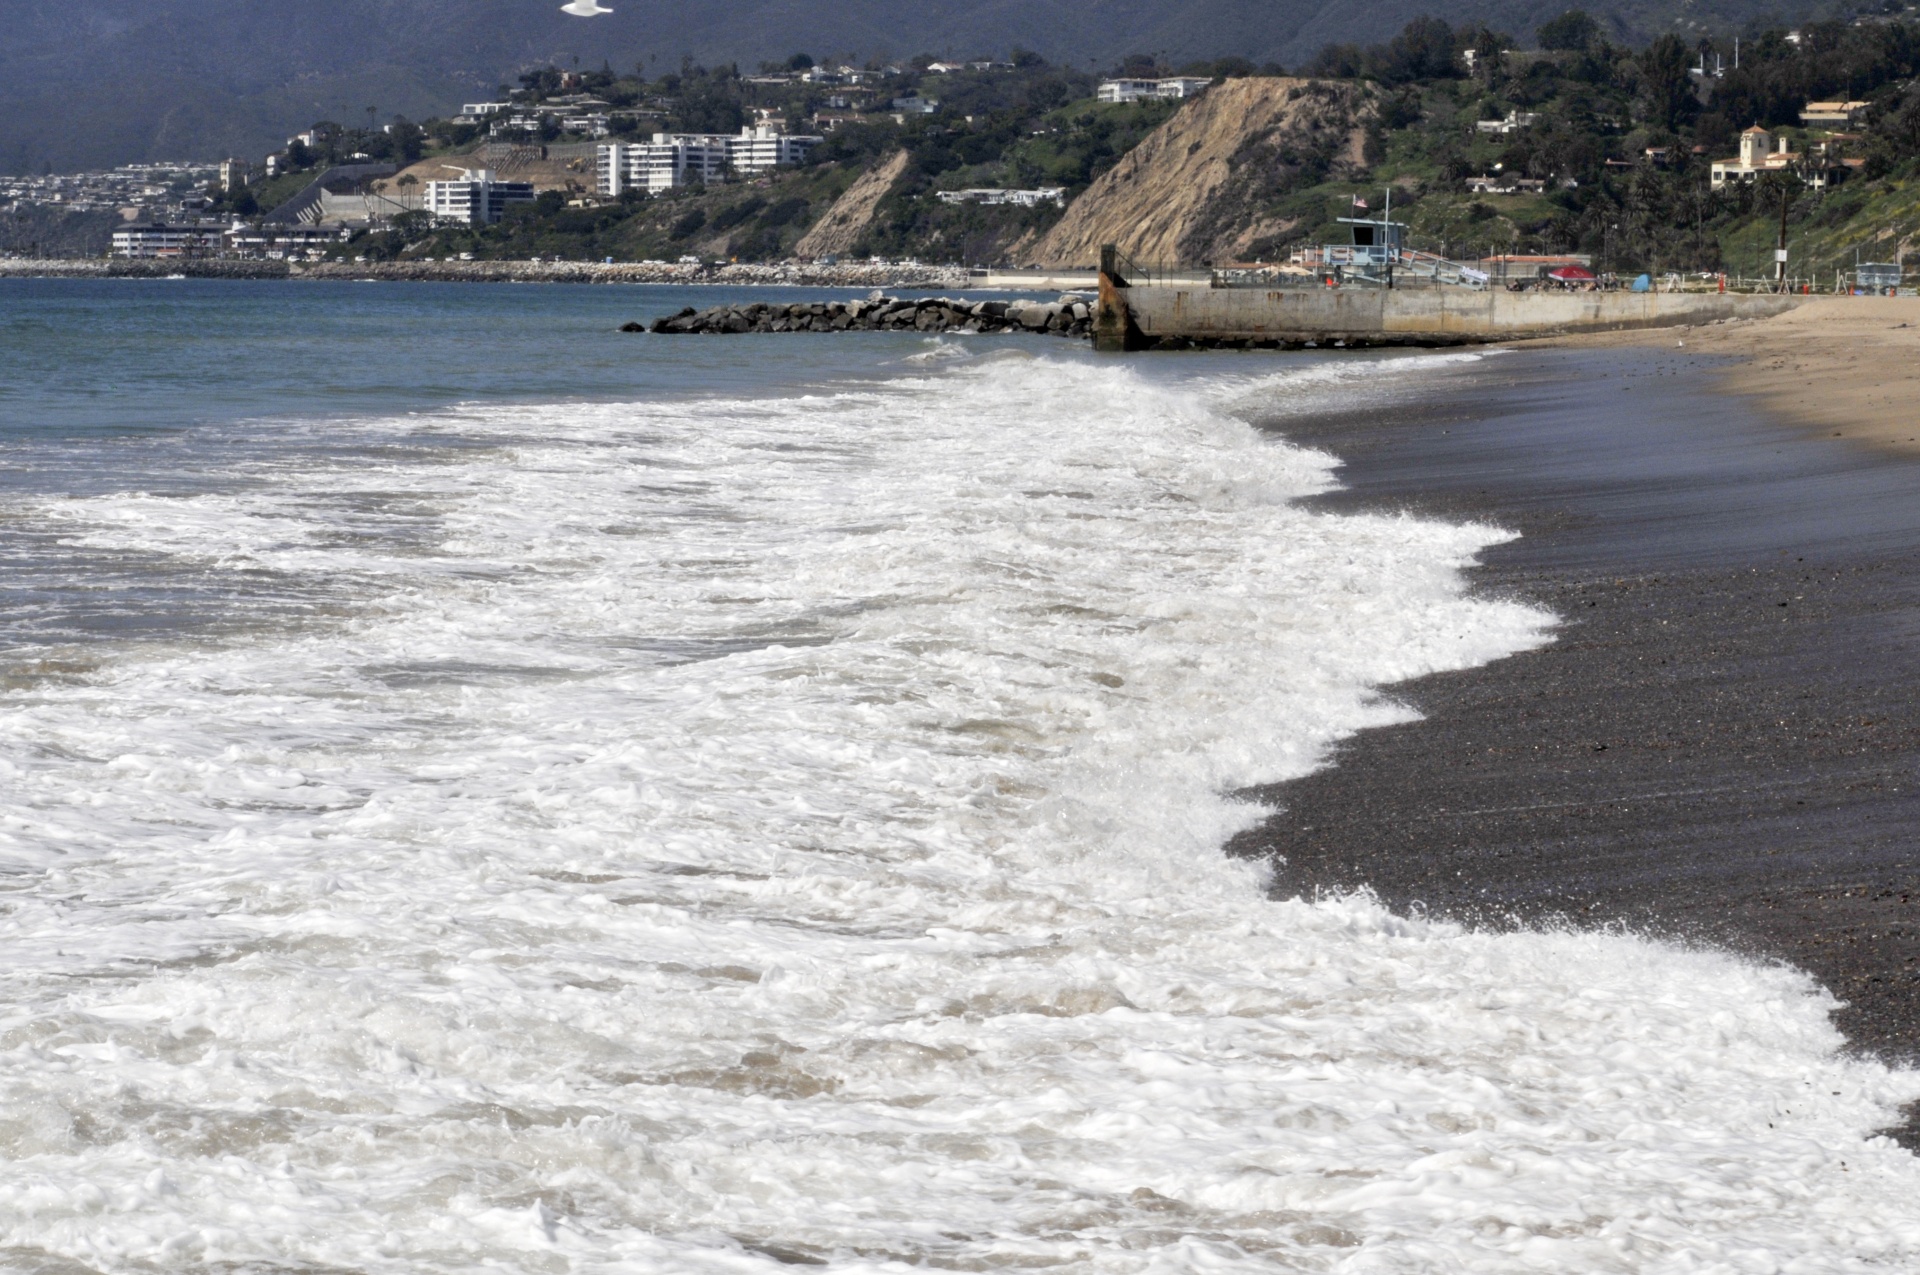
{"type": "Point", "coordinates": [110, 356]}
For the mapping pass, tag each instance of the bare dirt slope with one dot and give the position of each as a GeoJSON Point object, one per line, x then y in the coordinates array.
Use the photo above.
{"type": "Point", "coordinates": [840, 229]}
{"type": "Point", "coordinates": [564, 168]}
{"type": "Point", "coordinates": [1201, 186]}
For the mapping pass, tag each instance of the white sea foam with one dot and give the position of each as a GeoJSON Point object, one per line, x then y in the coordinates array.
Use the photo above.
{"type": "Point", "coordinates": [696, 836]}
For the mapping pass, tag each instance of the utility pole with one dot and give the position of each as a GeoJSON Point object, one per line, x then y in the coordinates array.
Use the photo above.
{"type": "Point", "coordinates": [1780, 253]}
{"type": "Point", "coordinates": [1699, 229]}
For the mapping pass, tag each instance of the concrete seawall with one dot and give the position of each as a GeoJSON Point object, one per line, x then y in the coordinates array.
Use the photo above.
{"type": "Point", "coordinates": [1146, 317]}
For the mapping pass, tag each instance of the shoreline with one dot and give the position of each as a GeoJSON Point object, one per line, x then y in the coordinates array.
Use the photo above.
{"type": "Point", "coordinates": [1721, 745]}
{"type": "Point", "coordinates": [1843, 366]}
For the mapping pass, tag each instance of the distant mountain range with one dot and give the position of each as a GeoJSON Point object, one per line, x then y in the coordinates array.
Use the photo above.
{"type": "Point", "coordinates": [87, 83]}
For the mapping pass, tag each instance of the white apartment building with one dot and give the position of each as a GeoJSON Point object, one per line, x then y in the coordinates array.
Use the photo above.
{"type": "Point", "coordinates": [669, 160]}
{"type": "Point", "coordinates": [167, 241]}
{"type": "Point", "coordinates": [682, 159]}
{"type": "Point", "coordinates": [477, 197]}
{"type": "Point", "coordinates": [1140, 90]}
{"type": "Point", "coordinates": [762, 147]}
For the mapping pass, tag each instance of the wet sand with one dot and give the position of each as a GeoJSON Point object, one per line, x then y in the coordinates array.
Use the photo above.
{"type": "Point", "coordinates": [1723, 743]}
{"type": "Point", "coordinates": [1849, 366]}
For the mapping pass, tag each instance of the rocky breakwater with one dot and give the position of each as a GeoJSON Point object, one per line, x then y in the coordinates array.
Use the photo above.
{"type": "Point", "coordinates": [730, 274]}
{"type": "Point", "coordinates": [121, 268]}
{"type": "Point", "coordinates": [1068, 316]}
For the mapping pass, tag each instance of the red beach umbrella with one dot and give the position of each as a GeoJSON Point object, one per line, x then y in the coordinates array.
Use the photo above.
{"type": "Point", "coordinates": [1572, 274]}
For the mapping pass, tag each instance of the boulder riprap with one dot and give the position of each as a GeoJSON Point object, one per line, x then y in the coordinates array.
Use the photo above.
{"type": "Point", "coordinates": [1068, 316]}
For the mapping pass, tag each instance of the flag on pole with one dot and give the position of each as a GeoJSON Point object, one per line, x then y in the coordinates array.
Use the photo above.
{"type": "Point", "coordinates": [1359, 203]}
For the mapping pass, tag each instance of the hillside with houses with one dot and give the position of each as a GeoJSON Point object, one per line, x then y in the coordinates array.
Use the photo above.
{"type": "Point", "coordinates": [193, 78]}
{"type": "Point", "coordinates": [1681, 156]}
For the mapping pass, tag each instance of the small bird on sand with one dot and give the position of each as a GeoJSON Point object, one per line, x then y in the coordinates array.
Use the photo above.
{"type": "Point", "coordinates": [584, 8]}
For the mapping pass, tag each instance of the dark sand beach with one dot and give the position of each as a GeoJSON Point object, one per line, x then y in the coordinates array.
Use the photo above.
{"type": "Point", "coordinates": [1722, 745]}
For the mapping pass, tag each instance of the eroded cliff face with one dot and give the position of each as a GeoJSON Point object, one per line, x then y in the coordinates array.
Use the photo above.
{"type": "Point", "coordinates": [841, 227]}
{"type": "Point", "coordinates": [1202, 187]}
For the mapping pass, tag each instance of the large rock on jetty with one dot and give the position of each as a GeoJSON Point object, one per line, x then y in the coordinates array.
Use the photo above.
{"type": "Point", "coordinates": [1068, 316]}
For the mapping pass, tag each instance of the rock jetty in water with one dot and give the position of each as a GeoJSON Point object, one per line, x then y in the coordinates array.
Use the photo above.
{"type": "Point", "coordinates": [1068, 316]}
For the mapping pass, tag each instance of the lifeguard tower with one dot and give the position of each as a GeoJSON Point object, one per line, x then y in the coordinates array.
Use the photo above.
{"type": "Point", "coordinates": [1377, 244]}
{"type": "Point", "coordinates": [1378, 256]}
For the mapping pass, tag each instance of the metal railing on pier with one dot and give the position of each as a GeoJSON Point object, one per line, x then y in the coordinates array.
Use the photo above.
{"type": "Point", "coordinates": [1133, 272]}
{"type": "Point", "coordinates": [1370, 267]}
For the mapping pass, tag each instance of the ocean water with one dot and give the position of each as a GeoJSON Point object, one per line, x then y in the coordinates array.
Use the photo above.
{"type": "Point", "coordinates": [478, 791]}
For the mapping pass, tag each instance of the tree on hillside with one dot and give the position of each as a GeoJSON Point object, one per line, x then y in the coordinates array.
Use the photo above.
{"type": "Point", "coordinates": [707, 102]}
{"type": "Point", "coordinates": [541, 84]}
{"type": "Point", "coordinates": [1424, 50]}
{"type": "Point", "coordinates": [1571, 32]}
{"type": "Point", "coordinates": [1832, 60]}
{"type": "Point", "coordinates": [1666, 86]}
{"type": "Point", "coordinates": [1893, 131]}
{"type": "Point", "coordinates": [1489, 54]}
{"type": "Point", "coordinates": [1337, 62]}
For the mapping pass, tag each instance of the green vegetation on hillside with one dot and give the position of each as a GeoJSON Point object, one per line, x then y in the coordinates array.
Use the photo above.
{"type": "Point", "coordinates": [1625, 141]}
{"type": "Point", "coordinates": [1609, 155]}
{"type": "Point", "coordinates": [193, 79]}
{"type": "Point", "coordinates": [1617, 162]}
{"type": "Point", "coordinates": [1025, 125]}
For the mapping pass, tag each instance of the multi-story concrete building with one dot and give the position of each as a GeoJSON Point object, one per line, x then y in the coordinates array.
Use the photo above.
{"type": "Point", "coordinates": [668, 161]}
{"type": "Point", "coordinates": [762, 147]}
{"type": "Point", "coordinates": [167, 241]}
{"type": "Point", "coordinates": [684, 159]}
{"type": "Point", "coordinates": [477, 197]}
{"type": "Point", "coordinates": [279, 241]}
